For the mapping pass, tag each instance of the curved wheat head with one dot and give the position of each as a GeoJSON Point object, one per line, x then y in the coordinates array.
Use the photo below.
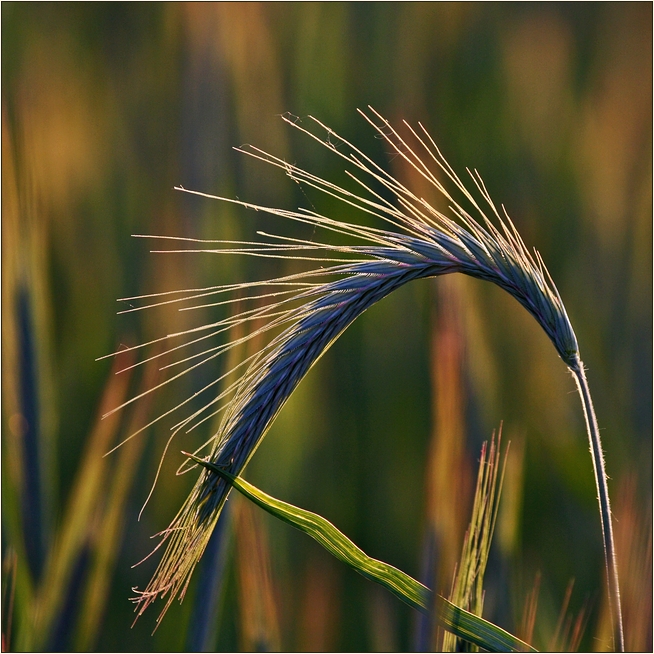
{"type": "Point", "coordinates": [305, 312]}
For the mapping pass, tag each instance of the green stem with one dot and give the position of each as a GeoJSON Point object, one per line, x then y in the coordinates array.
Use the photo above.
{"type": "Point", "coordinates": [615, 608]}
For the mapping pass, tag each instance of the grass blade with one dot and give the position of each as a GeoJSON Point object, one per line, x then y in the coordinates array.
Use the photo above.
{"type": "Point", "coordinates": [462, 623]}
{"type": "Point", "coordinates": [336, 543]}
{"type": "Point", "coordinates": [474, 629]}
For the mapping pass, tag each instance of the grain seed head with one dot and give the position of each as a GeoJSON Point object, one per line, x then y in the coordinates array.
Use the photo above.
{"type": "Point", "coordinates": [307, 311]}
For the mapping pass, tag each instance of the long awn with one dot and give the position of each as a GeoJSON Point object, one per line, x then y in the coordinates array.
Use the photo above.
{"type": "Point", "coordinates": [307, 311]}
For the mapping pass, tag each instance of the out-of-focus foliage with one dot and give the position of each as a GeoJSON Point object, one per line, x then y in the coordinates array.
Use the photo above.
{"type": "Point", "coordinates": [105, 107]}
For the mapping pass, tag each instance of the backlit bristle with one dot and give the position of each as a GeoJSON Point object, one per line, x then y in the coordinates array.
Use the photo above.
{"type": "Point", "coordinates": [305, 312]}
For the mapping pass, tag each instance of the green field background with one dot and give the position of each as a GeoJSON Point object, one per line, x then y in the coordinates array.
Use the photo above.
{"type": "Point", "coordinates": [107, 107]}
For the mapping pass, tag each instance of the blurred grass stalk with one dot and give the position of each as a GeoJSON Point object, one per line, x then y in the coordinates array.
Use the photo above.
{"type": "Point", "coordinates": [529, 610]}
{"type": "Point", "coordinates": [448, 475]}
{"type": "Point", "coordinates": [569, 630]}
{"type": "Point", "coordinates": [86, 543]}
{"type": "Point", "coordinates": [567, 634]}
{"type": "Point", "coordinates": [107, 537]}
{"type": "Point", "coordinates": [259, 617]}
{"type": "Point", "coordinates": [28, 446]}
{"type": "Point", "coordinates": [320, 608]}
{"type": "Point", "coordinates": [9, 564]}
{"type": "Point", "coordinates": [48, 559]}
{"type": "Point", "coordinates": [73, 535]}
{"type": "Point", "coordinates": [29, 471]}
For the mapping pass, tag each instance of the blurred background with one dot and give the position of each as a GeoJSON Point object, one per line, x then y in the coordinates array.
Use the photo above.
{"type": "Point", "coordinates": [106, 107]}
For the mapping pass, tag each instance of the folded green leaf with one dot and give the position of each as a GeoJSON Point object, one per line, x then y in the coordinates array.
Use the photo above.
{"type": "Point", "coordinates": [456, 620]}
{"type": "Point", "coordinates": [474, 629]}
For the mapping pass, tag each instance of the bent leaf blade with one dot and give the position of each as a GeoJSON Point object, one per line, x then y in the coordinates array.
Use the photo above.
{"type": "Point", "coordinates": [461, 623]}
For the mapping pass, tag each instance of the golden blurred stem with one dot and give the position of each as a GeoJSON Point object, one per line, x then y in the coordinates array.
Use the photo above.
{"type": "Point", "coordinates": [605, 506]}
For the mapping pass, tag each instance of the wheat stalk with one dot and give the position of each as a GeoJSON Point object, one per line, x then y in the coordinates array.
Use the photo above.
{"type": "Point", "coordinates": [307, 311]}
{"type": "Point", "coordinates": [468, 584]}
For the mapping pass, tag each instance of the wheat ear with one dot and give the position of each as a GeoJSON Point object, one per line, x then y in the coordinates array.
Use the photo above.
{"type": "Point", "coordinates": [311, 309]}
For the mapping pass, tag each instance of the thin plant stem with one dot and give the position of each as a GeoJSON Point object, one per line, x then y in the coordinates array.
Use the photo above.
{"type": "Point", "coordinates": [615, 608]}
